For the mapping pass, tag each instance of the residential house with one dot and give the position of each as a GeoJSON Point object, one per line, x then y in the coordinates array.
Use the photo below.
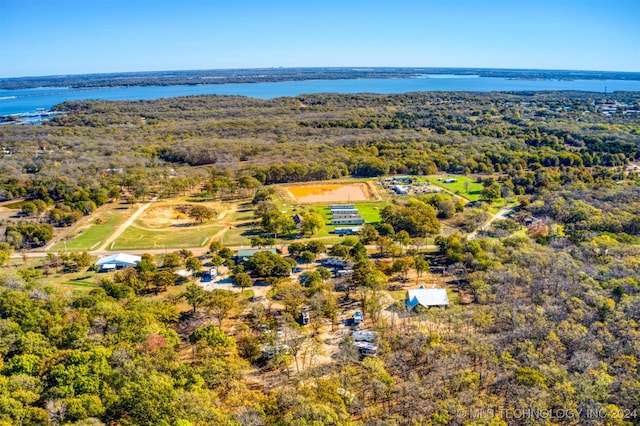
{"type": "Point", "coordinates": [297, 219]}
{"type": "Point", "coordinates": [244, 254]}
{"type": "Point", "coordinates": [427, 297]}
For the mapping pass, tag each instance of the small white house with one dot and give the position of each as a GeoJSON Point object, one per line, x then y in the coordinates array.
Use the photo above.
{"type": "Point", "coordinates": [117, 261]}
{"type": "Point", "coordinates": [427, 297]}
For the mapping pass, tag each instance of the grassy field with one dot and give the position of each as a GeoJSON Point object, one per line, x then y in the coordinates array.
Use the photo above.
{"type": "Point", "coordinates": [91, 237]}
{"type": "Point", "coordinates": [370, 211]}
{"type": "Point", "coordinates": [243, 213]}
{"type": "Point", "coordinates": [81, 283]}
{"type": "Point", "coordinates": [135, 237]}
{"type": "Point", "coordinates": [74, 281]}
{"type": "Point", "coordinates": [457, 187]}
{"type": "Point", "coordinates": [238, 236]}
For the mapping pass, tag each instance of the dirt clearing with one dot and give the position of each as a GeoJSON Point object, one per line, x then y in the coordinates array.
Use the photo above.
{"type": "Point", "coordinates": [329, 192]}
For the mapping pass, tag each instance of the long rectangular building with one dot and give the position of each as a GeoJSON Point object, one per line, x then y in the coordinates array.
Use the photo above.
{"type": "Point", "coordinates": [341, 206]}
{"type": "Point", "coordinates": [347, 220]}
{"type": "Point", "coordinates": [341, 215]}
{"type": "Point", "coordinates": [344, 211]}
{"type": "Point", "coordinates": [347, 230]}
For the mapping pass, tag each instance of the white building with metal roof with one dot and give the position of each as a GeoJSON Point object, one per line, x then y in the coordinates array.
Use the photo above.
{"type": "Point", "coordinates": [117, 261]}
{"type": "Point", "coordinates": [427, 297]}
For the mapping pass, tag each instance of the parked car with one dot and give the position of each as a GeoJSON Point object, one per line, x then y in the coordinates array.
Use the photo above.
{"type": "Point", "coordinates": [304, 316]}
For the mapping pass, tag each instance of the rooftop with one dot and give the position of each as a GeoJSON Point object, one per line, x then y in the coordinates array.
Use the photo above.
{"type": "Point", "coordinates": [427, 297]}
{"type": "Point", "coordinates": [247, 253]}
{"type": "Point", "coordinates": [119, 258]}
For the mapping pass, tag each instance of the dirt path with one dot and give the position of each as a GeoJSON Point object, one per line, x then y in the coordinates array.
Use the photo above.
{"type": "Point", "coordinates": [15, 200]}
{"type": "Point", "coordinates": [126, 224]}
{"type": "Point", "coordinates": [374, 192]}
{"type": "Point", "coordinates": [502, 213]}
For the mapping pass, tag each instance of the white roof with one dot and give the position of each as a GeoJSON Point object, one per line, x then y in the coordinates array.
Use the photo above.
{"type": "Point", "coordinates": [364, 336]}
{"type": "Point", "coordinates": [427, 297]}
{"type": "Point", "coordinates": [121, 258]}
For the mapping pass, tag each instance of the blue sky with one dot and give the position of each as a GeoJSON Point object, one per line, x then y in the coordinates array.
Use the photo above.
{"type": "Point", "coordinates": [91, 36]}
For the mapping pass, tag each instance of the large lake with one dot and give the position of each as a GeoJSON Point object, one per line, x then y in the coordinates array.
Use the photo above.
{"type": "Point", "coordinates": [30, 100]}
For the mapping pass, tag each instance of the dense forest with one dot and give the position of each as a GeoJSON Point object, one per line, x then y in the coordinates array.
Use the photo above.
{"type": "Point", "coordinates": [531, 140]}
{"type": "Point", "coordinates": [545, 331]}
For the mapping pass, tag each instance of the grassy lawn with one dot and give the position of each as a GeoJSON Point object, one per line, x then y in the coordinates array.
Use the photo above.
{"type": "Point", "coordinates": [238, 236]}
{"type": "Point", "coordinates": [243, 213]}
{"type": "Point", "coordinates": [329, 239]}
{"type": "Point", "coordinates": [370, 211]}
{"type": "Point", "coordinates": [457, 187]}
{"type": "Point", "coordinates": [188, 236]}
{"type": "Point", "coordinates": [96, 233]}
{"type": "Point", "coordinates": [20, 263]}
{"type": "Point", "coordinates": [81, 283]}
{"type": "Point", "coordinates": [398, 295]}
{"type": "Point", "coordinates": [74, 281]}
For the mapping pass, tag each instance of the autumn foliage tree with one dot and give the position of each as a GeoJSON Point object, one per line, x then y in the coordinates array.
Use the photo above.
{"type": "Point", "coordinates": [201, 213]}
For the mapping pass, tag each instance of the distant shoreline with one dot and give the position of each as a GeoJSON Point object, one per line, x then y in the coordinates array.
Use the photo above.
{"type": "Point", "coordinates": [234, 76]}
{"type": "Point", "coordinates": [27, 102]}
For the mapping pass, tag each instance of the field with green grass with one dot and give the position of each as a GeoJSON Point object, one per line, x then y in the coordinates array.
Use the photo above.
{"type": "Point", "coordinates": [73, 281]}
{"type": "Point", "coordinates": [135, 237]}
{"type": "Point", "coordinates": [243, 213]}
{"type": "Point", "coordinates": [238, 236]}
{"type": "Point", "coordinates": [90, 237]}
{"type": "Point", "coordinates": [81, 283]}
{"type": "Point", "coordinates": [459, 187]}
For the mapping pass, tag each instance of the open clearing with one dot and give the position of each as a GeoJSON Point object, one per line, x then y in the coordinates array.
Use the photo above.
{"type": "Point", "coordinates": [167, 214]}
{"type": "Point", "coordinates": [329, 192]}
{"type": "Point", "coordinates": [89, 235]}
{"type": "Point", "coordinates": [464, 186]}
{"type": "Point", "coordinates": [135, 237]}
{"type": "Point", "coordinates": [167, 224]}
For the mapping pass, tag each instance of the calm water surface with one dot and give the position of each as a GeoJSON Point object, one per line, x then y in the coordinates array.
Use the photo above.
{"type": "Point", "coordinates": [30, 100]}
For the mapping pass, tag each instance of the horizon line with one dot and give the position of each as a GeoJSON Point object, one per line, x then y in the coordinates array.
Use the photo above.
{"type": "Point", "coordinates": [352, 68]}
